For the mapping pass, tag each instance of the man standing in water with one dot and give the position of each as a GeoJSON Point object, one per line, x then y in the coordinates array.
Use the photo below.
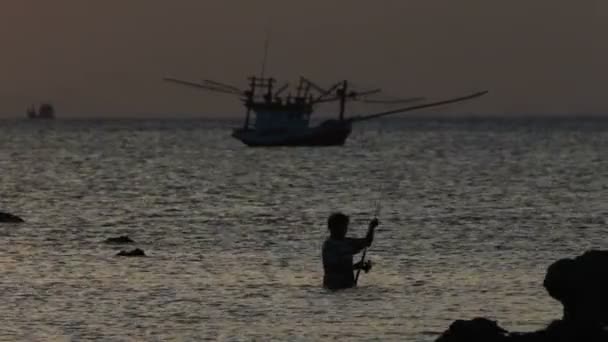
{"type": "Point", "coordinates": [338, 251]}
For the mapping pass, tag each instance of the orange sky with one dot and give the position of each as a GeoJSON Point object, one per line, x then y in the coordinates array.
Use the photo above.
{"type": "Point", "coordinates": [107, 58]}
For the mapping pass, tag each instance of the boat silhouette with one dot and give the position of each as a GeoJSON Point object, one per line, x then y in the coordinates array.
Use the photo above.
{"type": "Point", "coordinates": [285, 120]}
{"type": "Point", "coordinates": [45, 111]}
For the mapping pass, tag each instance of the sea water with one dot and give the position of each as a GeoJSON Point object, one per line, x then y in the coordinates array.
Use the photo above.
{"type": "Point", "coordinates": [472, 213]}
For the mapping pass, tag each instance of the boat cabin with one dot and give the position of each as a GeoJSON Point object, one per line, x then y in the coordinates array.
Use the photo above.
{"type": "Point", "coordinates": [284, 117]}
{"type": "Point", "coordinates": [276, 114]}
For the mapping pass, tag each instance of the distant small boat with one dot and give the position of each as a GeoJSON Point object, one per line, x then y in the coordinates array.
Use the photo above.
{"type": "Point", "coordinates": [45, 111]}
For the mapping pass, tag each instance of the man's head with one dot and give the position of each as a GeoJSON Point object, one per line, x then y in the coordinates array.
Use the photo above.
{"type": "Point", "coordinates": [337, 223]}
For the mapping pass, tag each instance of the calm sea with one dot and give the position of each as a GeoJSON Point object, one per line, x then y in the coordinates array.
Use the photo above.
{"type": "Point", "coordinates": [472, 213]}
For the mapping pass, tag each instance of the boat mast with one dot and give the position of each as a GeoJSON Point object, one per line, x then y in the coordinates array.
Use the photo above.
{"type": "Point", "coordinates": [253, 82]}
{"type": "Point", "coordinates": [342, 95]}
{"type": "Point", "coordinates": [264, 60]}
{"type": "Point", "coordinates": [269, 85]}
{"type": "Point", "coordinates": [249, 101]}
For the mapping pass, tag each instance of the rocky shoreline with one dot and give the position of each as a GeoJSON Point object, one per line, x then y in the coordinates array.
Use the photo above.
{"type": "Point", "coordinates": [580, 284]}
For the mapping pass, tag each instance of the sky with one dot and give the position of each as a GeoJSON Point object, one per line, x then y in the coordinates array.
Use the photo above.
{"type": "Point", "coordinates": [94, 58]}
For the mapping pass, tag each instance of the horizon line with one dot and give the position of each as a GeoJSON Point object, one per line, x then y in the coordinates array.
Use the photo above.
{"type": "Point", "coordinates": [436, 116]}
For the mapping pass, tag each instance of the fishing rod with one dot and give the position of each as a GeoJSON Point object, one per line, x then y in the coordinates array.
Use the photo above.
{"type": "Point", "coordinates": [361, 262]}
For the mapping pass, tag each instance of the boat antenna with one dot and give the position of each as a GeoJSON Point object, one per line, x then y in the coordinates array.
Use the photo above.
{"type": "Point", "coordinates": [266, 43]}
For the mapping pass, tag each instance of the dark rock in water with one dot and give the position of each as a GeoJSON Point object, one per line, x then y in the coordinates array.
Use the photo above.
{"type": "Point", "coordinates": [564, 331]}
{"type": "Point", "coordinates": [124, 239]}
{"type": "Point", "coordinates": [477, 329]}
{"type": "Point", "coordinates": [10, 218]}
{"type": "Point", "coordinates": [580, 284]}
{"type": "Point", "coordinates": [132, 253]}
{"type": "Point", "coordinates": [484, 330]}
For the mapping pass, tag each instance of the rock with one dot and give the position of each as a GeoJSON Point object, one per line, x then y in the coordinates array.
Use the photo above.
{"type": "Point", "coordinates": [132, 253]}
{"type": "Point", "coordinates": [10, 218]}
{"type": "Point", "coordinates": [121, 240]}
{"type": "Point", "coordinates": [477, 329]}
{"type": "Point", "coordinates": [563, 331]}
{"type": "Point", "coordinates": [484, 330]}
{"type": "Point", "coordinates": [580, 284]}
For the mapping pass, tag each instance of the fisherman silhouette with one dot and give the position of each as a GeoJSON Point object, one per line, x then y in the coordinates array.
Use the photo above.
{"type": "Point", "coordinates": [338, 251]}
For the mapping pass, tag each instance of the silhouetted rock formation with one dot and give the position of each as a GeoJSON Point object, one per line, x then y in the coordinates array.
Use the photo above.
{"type": "Point", "coordinates": [477, 329]}
{"type": "Point", "coordinates": [580, 284]}
{"type": "Point", "coordinates": [9, 218]}
{"type": "Point", "coordinates": [121, 240]}
{"type": "Point", "coordinates": [132, 253]}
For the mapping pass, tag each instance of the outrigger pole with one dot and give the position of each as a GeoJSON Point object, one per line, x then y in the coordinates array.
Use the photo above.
{"type": "Point", "coordinates": [207, 86]}
{"type": "Point", "coordinates": [421, 106]}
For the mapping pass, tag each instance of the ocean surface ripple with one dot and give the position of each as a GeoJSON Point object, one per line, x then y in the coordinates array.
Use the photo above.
{"type": "Point", "coordinates": [473, 211]}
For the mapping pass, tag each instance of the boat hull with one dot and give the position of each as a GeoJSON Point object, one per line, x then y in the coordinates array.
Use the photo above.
{"type": "Point", "coordinates": [329, 133]}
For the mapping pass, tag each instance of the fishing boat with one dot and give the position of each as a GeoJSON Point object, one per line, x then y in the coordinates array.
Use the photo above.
{"type": "Point", "coordinates": [45, 111]}
{"type": "Point", "coordinates": [285, 120]}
